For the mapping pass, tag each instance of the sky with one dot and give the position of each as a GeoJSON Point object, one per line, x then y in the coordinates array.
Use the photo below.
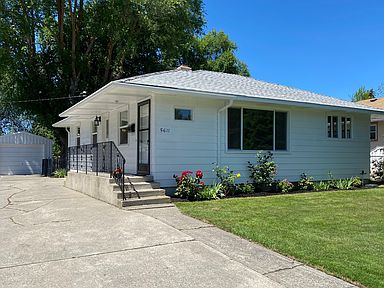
{"type": "Point", "coordinates": [331, 47]}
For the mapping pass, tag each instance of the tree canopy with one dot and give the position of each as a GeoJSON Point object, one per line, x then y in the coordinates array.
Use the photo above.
{"type": "Point", "coordinates": [363, 94]}
{"type": "Point", "coordinates": [57, 49]}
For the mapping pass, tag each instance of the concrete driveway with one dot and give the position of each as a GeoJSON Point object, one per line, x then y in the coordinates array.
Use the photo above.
{"type": "Point", "coordinates": [51, 236]}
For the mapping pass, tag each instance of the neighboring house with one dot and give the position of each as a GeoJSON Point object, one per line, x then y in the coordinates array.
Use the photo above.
{"type": "Point", "coordinates": [377, 122]}
{"type": "Point", "coordinates": [23, 153]}
{"type": "Point", "coordinates": [167, 122]}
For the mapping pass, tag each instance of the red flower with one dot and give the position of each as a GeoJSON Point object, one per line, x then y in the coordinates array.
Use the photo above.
{"type": "Point", "coordinates": [199, 174]}
{"type": "Point", "coordinates": [202, 183]}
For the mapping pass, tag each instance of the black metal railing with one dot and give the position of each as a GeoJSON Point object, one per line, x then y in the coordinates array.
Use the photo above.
{"type": "Point", "coordinates": [103, 157]}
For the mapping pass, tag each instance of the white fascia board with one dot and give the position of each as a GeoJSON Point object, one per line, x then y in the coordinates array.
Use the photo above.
{"type": "Point", "coordinates": [260, 99]}
{"type": "Point", "coordinates": [85, 100]}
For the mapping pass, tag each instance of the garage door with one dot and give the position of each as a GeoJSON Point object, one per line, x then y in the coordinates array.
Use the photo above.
{"type": "Point", "coordinates": [21, 159]}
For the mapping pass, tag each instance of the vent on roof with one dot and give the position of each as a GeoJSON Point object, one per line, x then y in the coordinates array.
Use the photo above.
{"type": "Point", "coordinates": [372, 100]}
{"type": "Point", "coordinates": [184, 68]}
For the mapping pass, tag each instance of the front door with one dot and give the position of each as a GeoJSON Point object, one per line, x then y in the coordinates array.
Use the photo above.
{"type": "Point", "coordinates": [143, 135]}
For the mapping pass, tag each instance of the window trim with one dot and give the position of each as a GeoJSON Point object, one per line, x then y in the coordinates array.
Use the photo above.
{"type": "Point", "coordinates": [339, 127]}
{"type": "Point", "coordinates": [124, 126]}
{"type": "Point", "coordinates": [94, 132]}
{"type": "Point", "coordinates": [375, 124]}
{"type": "Point", "coordinates": [241, 150]}
{"type": "Point", "coordinates": [183, 108]}
{"type": "Point", "coordinates": [78, 136]}
{"type": "Point", "coordinates": [106, 123]}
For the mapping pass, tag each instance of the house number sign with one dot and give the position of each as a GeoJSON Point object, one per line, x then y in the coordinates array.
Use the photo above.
{"type": "Point", "coordinates": [165, 130]}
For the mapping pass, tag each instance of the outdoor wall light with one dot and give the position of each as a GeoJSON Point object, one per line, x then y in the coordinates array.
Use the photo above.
{"type": "Point", "coordinates": [97, 120]}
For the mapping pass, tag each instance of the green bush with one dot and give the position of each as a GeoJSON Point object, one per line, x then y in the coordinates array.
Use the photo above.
{"type": "Point", "coordinates": [60, 173]}
{"type": "Point", "coordinates": [227, 179]}
{"type": "Point", "coordinates": [284, 186]}
{"type": "Point", "coordinates": [245, 188]}
{"type": "Point", "coordinates": [357, 182]}
{"type": "Point", "coordinates": [210, 192]}
{"type": "Point", "coordinates": [263, 172]}
{"type": "Point", "coordinates": [322, 186]}
{"type": "Point", "coordinates": [305, 183]}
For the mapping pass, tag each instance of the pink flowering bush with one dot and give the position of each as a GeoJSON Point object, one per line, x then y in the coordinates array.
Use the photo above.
{"type": "Point", "coordinates": [189, 185]}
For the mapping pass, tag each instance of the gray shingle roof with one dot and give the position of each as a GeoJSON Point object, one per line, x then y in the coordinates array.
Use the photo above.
{"type": "Point", "coordinates": [229, 84]}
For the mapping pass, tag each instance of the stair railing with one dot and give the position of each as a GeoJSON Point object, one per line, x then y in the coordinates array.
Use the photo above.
{"type": "Point", "coordinates": [103, 157]}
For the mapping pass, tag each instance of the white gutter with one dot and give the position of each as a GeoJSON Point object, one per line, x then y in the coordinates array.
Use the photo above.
{"type": "Point", "coordinates": [218, 154]}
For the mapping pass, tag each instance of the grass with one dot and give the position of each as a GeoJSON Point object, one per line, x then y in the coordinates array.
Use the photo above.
{"type": "Point", "coordinates": [340, 232]}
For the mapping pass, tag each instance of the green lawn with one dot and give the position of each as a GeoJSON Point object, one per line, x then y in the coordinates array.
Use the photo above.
{"type": "Point", "coordinates": [339, 232]}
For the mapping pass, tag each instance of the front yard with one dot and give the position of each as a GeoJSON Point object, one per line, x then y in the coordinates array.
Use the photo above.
{"type": "Point", "coordinates": [340, 232]}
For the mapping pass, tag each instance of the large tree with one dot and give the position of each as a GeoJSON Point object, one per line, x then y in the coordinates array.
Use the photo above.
{"type": "Point", "coordinates": [363, 94]}
{"type": "Point", "coordinates": [56, 49]}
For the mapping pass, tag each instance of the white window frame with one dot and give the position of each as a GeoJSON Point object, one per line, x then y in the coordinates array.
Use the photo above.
{"type": "Point", "coordinates": [376, 125]}
{"type": "Point", "coordinates": [339, 126]}
{"type": "Point", "coordinates": [94, 130]}
{"type": "Point", "coordinates": [124, 126]}
{"type": "Point", "coordinates": [183, 108]}
{"type": "Point", "coordinates": [241, 130]}
{"type": "Point", "coordinates": [78, 136]}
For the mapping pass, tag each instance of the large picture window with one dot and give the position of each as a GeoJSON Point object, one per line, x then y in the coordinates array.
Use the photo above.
{"type": "Point", "coordinates": [123, 127]}
{"type": "Point", "coordinates": [252, 129]}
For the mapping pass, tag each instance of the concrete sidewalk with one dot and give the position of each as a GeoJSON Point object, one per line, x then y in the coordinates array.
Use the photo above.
{"type": "Point", "coordinates": [51, 236]}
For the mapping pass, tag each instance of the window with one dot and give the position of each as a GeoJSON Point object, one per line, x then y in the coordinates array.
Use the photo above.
{"type": "Point", "coordinates": [78, 136]}
{"type": "Point", "coordinates": [94, 133]}
{"type": "Point", "coordinates": [251, 129]}
{"type": "Point", "coordinates": [183, 114]}
{"type": "Point", "coordinates": [107, 129]}
{"type": "Point", "coordinates": [124, 127]}
{"type": "Point", "coordinates": [373, 132]}
{"type": "Point", "coordinates": [345, 127]}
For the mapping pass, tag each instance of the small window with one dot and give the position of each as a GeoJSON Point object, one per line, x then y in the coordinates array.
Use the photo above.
{"type": "Point", "coordinates": [373, 132]}
{"type": "Point", "coordinates": [107, 129]}
{"type": "Point", "coordinates": [183, 114]}
{"type": "Point", "coordinates": [94, 133]}
{"type": "Point", "coordinates": [78, 136]}
{"type": "Point", "coordinates": [124, 127]}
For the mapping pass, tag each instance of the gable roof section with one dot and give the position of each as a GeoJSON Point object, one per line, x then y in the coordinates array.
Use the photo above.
{"type": "Point", "coordinates": [229, 84]}
{"type": "Point", "coordinates": [377, 103]}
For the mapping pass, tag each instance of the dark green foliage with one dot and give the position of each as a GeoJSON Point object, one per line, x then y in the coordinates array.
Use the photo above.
{"type": "Point", "coordinates": [305, 183]}
{"type": "Point", "coordinates": [51, 49]}
{"type": "Point", "coordinates": [263, 172]}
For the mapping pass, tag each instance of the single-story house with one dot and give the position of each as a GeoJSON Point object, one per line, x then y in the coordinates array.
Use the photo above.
{"type": "Point", "coordinates": [377, 122]}
{"type": "Point", "coordinates": [22, 153]}
{"type": "Point", "coordinates": [167, 122]}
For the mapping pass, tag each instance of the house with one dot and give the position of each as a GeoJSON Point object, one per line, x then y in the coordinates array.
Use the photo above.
{"type": "Point", "coordinates": [167, 122]}
{"type": "Point", "coordinates": [377, 122]}
{"type": "Point", "coordinates": [22, 153]}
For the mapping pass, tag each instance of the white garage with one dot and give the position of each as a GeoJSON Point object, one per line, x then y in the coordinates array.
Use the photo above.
{"type": "Point", "coordinates": [22, 153]}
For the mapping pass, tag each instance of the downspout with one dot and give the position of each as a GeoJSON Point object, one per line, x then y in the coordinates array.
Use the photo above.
{"type": "Point", "coordinates": [218, 154]}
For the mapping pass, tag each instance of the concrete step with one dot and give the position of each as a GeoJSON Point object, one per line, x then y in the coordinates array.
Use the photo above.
{"type": "Point", "coordinates": [135, 179]}
{"type": "Point", "coordinates": [142, 193]}
{"type": "Point", "coordinates": [145, 201]}
{"type": "Point", "coordinates": [138, 186]}
{"type": "Point", "coordinates": [149, 206]}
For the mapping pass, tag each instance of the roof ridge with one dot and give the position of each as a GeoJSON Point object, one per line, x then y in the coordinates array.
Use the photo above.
{"type": "Point", "coordinates": [147, 75]}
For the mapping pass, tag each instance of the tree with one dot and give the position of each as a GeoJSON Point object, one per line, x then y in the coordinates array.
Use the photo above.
{"type": "Point", "coordinates": [363, 94]}
{"type": "Point", "coordinates": [56, 49]}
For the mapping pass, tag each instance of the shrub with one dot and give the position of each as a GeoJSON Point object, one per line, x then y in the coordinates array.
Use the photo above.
{"type": "Point", "coordinates": [322, 186]}
{"type": "Point", "coordinates": [245, 188]}
{"type": "Point", "coordinates": [189, 186]}
{"type": "Point", "coordinates": [357, 182]}
{"type": "Point", "coordinates": [60, 173]}
{"type": "Point", "coordinates": [227, 179]}
{"type": "Point", "coordinates": [263, 173]}
{"type": "Point", "coordinates": [210, 192]}
{"type": "Point", "coordinates": [284, 186]}
{"type": "Point", "coordinates": [305, 183]}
